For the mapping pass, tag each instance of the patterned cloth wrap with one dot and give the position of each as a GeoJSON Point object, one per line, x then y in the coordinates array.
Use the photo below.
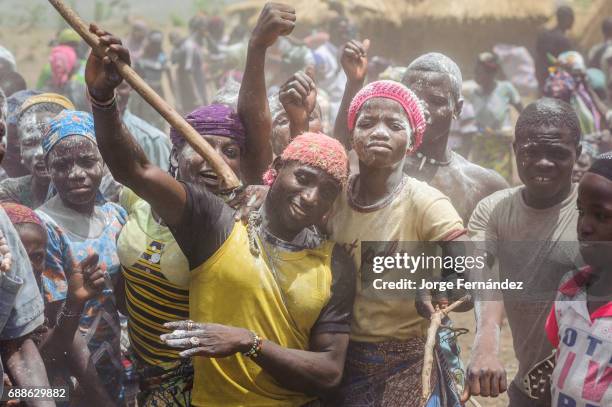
{"type": "Point", "coordinates": [411, 104]}
{"type": "Point", "coordinates": [65, 124]}
{"type": "Point", "coordinates": [54, 98]}
{"type": "Point", "coordinates": [19, 214]}
{"type": "Point", "coordinates": [160, 388]}
{"type": "Point", "coordinates": [99, 322]}
{"type": "Point", "coordinates": [388, 374]}
{"type": "Point", "coordinates": [68, 123]}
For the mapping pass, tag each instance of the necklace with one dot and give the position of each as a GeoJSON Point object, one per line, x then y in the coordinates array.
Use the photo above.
{"type": "Point", "coordinates": [377, 205]}
{"type": "Point", "coordinates": [255, 228]}
{"type": "Point", "coordinates": [432, 161]}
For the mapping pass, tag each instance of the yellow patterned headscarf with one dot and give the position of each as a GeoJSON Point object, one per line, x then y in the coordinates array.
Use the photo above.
{"type": "Point", "coordinates": [47, 98]}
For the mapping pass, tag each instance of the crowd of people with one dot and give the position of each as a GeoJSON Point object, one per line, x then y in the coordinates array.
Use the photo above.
{"type": "Point", "coordinates": [130, 276]}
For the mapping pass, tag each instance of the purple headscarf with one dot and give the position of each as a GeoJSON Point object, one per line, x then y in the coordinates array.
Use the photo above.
{"type": "Point", "coordinates": [214, 120]}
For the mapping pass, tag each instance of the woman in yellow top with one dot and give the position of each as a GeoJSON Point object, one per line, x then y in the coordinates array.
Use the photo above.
{"type": "Point", "coordinates": [154, 288]}
{"type": "Point", "coordinates": [272, 328]}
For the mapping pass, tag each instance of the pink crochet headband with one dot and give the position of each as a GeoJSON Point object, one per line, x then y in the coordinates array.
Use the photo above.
{"type": "Point", "coordinates": [316, 150]}
{"type": "Point", "coordinates": [401, 94]}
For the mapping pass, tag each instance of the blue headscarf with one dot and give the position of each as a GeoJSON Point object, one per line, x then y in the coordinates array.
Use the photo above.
{"type": "Point", "coordinates": [65, 124]}
{"type": "Point", "coordinates": [68, 123]}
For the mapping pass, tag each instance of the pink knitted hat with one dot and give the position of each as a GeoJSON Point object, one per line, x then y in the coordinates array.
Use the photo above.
{"type": "Point", "coordinates": [316, 150]}
{"type": "Point", "coordinates": [401, 94]}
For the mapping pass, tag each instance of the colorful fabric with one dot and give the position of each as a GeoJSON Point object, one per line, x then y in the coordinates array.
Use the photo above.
{"type": "Point", "coordinates": [401, 94]}
{"type": "Point", "coordinates": [572, 61]}
{"type": "Point", "coordinates": [54, 98]}
{"type": "Point", "coordinates": [62, 59]}
{"type": "Point", "coordinates": [213, 120]}
{"type": "Point", "coordinates": [317, 150]}
{"type": "Point", "coordinates": [68, 123]}
{"type": "Point", "coordinates": [156, 274]}
{"type": "Point", "coordinates": [562, 85]}
{"type": "Point", "coordinates": [19, 214]}
{"type": "Point", "coordinates": [582, 375]}
{"type": "Point", "coordinates": [8, 56]}
{"type": "Point", "coordinates": [69, 242]}
{"type": "Point", "coordinates": [602, 166]}
{"type": "Point", "coordinates": [388, 374]}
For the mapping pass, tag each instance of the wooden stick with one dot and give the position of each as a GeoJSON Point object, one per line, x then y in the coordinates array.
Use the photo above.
{"type": "Point", "coordinates": [474, 402]}
{"type": "Point", "coordinates": [229, 181]}
{"type": "Point", "coordinates": [430, 344]}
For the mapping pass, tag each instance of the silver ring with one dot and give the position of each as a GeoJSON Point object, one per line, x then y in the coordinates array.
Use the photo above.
{"type": "Point", "coordinates": [195, 341]}
{"type": "Point", "coordinates": [189, 325]}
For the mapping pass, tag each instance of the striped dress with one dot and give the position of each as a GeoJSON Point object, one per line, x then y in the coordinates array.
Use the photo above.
{"type": "Point", "coordinates": [156, 275]}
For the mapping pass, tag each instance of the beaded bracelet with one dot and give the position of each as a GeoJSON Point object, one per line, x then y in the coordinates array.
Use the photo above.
{"type": "Point", "coordinates": [255, 348]}
{"type": "Point", "coordinates": [103, 105]}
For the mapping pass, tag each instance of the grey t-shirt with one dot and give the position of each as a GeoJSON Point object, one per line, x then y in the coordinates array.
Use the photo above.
{"type": "Point", "coordinates": [535, 246]}
{"type": "Point", "coordinates": [21, 305]}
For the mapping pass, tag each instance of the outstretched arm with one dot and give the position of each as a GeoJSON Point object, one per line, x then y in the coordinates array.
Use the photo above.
{"type": "Point", "coordinates": [355, 64]}
{"type": "Point", "coordinates": [124, 157]}
{"type": "Point", "coordinates": [275, 20]}
{"type": "Point", "coordinates": [316, 370]}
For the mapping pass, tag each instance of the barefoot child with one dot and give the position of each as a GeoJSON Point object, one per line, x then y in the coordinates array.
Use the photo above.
{"type": "Point", "coordinates": [580, 322]}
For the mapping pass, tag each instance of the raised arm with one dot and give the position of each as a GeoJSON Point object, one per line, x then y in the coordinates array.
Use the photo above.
{"type": "Point", "coordinates": [120, 151]}
{"type": "Point", "coordinates": [355, 64]}
{"type": "Point", "coordinates": [299, 98]}
{"type": "Point", "coordinates": [86, 282]}
{"type": "Point", "coordinates": [275, 20]}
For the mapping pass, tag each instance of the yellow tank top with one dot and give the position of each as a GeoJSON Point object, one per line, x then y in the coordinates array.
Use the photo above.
{"type": "Point", "coordinates": [235, 288]}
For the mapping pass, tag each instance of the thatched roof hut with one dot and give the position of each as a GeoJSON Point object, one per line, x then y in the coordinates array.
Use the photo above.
{"type": "Point", "coordinates": [404, 29]}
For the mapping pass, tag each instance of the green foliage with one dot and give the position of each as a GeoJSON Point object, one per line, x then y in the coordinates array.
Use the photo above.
{"type": "Point", "coordinates": [201, 5]}
{"type": "Point", "coordinates": [105, 10]}
{"type": "Point", "coordinates": [208, 6]}
{"type": "Point", "coordinates": [177, 21]}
